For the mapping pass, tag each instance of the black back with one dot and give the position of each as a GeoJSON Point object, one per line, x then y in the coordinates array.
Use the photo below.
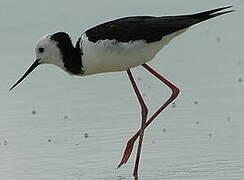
{"type": "Point", "coordinates": [147, 28]}
{"type": "Point", "coordinates": [71, 55]}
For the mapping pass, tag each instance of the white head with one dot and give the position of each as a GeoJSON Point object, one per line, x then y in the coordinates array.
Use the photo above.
{"type": "Point", "coordinates": [47, 51]}
{"type": "Point", "coordinates": [57, 49]}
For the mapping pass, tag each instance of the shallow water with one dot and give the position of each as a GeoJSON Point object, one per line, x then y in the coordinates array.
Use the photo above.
{"type": "Point", "coordinates": [54, 126]}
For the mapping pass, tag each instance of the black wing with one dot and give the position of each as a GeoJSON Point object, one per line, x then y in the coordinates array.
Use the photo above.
{"type": "Point", "coordinates": [148, 28]}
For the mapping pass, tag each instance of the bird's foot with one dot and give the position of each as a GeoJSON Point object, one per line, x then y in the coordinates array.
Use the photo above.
{"type": "Point", "coordinates": [127, 151]}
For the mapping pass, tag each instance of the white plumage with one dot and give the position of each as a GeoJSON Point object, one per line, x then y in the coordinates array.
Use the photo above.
{"type": "Point", "coordinates": [111, 55]}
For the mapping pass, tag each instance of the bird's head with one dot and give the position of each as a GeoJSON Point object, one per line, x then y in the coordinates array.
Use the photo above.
{"type": "Point", "coordinates": [48, 51]}
{"type": "Point", "coordinates": [56, 49]}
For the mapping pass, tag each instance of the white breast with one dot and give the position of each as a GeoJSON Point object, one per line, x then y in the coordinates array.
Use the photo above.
{"type": "Point", "coordinates": [111, 55]}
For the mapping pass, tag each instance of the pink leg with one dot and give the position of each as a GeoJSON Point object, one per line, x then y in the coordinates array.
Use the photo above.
{"type": "Point", "coordinates": [144, 112]}
{"type": "Point", "coordinates": [175, 92]}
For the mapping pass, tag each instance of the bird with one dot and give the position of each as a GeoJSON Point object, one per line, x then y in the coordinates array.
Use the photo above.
{"type": "Point", "coordinates": [120, 45]}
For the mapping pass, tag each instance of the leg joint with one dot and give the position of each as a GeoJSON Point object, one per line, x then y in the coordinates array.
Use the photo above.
{"type": "Point", "coordinates": [144, 111]}
{"type": "Point", "coordinates": [175, 91]}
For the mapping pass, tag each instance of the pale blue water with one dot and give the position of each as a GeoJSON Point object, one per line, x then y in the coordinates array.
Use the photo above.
{"type": "Point", "coordinates": [203, 140]}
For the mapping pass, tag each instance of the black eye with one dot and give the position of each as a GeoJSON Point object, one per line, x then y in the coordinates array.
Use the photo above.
{"type": "Point", "coordinates": [41, 50]}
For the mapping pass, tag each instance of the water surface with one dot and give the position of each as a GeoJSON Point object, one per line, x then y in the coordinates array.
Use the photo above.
{"type": "Point", "coordinates": [57, 127]}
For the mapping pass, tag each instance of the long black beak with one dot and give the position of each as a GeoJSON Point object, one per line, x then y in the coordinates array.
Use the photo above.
{"type": "Point", "coordinates": [31, 68]}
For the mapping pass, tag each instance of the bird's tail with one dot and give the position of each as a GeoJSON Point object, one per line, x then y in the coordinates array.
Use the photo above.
{"type": "Point", "coordinates": [212, 13]}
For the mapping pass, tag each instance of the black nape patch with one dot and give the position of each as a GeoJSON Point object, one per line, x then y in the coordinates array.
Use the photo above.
{"type": "Point", "coordinates": [71, 54]}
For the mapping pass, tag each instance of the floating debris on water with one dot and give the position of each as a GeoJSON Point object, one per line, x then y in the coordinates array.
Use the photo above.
{"type": "Point", "coordinates": [173, 105]}
{"type": "Point", "coordinates": [33, 112]}
{"type": "Point", "coordinates": [5, 143]}
{"type": "Point", "coordinates": [218, 39]}
{"type": "Point", "coordinates": [240, 79]}
{"type": "Point", "coordinates": [195, 102]}
{"type": "Point", "coordinates": [228, 119]}
{"type": "Point", "coordinates": [164, 129]}
{"type": "Point", "coordinates": [65, 117]}
{"type": "Point", "coordinates": [139, 78]}
{"type": "Point", "coordinates": [210, 135]}
{"type": "Point", "coordinates": [49, 140]}
{"type": "Point", "coordinates": [197, 122]}
{"type": "Point", "coordinates": [86, 135]}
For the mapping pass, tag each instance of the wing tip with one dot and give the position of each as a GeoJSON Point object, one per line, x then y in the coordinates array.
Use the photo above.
{"type": "Point", "coordinates": [215, 12]}
{"type": "Point", "coordinates": [203, 16]}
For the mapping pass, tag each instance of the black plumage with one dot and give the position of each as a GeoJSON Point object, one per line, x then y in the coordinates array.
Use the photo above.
{"type": "Point", "coordinates": [71, 55]}
{"type": "Point", "coordinates": [148, 28]}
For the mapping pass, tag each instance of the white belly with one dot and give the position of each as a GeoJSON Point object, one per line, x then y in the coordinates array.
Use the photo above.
{"type": "Point", "coordinates": [110, 55]}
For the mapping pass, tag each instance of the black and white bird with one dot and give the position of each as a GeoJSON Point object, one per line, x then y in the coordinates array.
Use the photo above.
{"type": "Point", "coordinates": [119, 45]}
